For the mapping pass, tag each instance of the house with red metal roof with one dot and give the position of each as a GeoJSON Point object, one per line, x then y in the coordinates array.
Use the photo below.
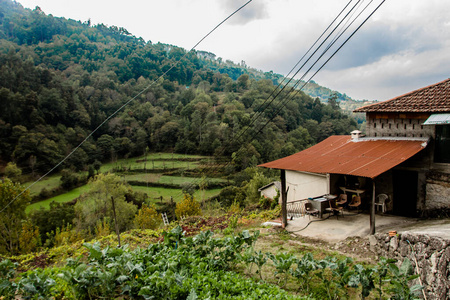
{"type": "Point", "coordinates": [404, 156]}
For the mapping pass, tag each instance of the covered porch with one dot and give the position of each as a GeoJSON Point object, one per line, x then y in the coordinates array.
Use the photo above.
{"type": "Point", "coordinates": [353, 224]}
{"type": "Point", "coordinates": [357, 167]}
{"type": "Point", "coordinates": [334, 230]}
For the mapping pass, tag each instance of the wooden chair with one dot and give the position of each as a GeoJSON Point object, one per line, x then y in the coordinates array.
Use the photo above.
{"type": "Point", "coordinates": [336, 210]}
{"type": "Point", "coordinates": [356, 202]}
{"type": "Point", "coordinates": [310, 210]}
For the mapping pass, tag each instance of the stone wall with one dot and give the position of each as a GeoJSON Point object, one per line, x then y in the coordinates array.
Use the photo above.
{"type": "Point", "coordinates": [398, 127]}
{"type": "Point", "coordinates": [431, 253]}
{"type": "Point", "coordinates": [437, 193]}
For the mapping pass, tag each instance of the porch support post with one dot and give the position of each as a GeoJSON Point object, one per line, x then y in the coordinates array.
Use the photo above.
{"type": "Point", "coordinates": [372, 209]}
{"type": "Point", "coordinates": [328, 183]}
{"type": "Point", "coordinates": [283, 199]}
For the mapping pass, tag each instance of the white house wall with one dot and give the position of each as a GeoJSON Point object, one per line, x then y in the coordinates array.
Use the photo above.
{"type": "Point", "coordinates": [305, 185]}
{"type": "Point", "coordinates": [269, 192]}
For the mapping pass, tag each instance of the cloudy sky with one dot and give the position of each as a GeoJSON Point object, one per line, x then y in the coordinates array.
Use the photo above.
{"type": "Point", "coordinates": [404, 46]}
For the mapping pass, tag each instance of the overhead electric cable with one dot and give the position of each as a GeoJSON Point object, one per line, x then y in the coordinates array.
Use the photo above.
{"type": "Point", "coordinates": [304, 55]}
{"type": "Point", "coordinates": [303, 65]}
{"type": "Point", "coordinates": [341, 32]}
{"type": "Point", "coordinates": [125, 104]}
{"type": "Point", "coordinates": [258, 111]}
{"type": "Point", "coordinates": [283, 102]}
{"type": "Point", "coordinates": [320, 68]}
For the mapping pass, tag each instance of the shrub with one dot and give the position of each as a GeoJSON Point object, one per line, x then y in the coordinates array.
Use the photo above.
{"type": "Point", "coordinates": [29, 238]}
{"type": "Point", "coordinates": [230, 195]}
{"type": "Point", "coordinates": [12, 171]}
{"type": "Point", "coordinates": [188, 207]}
{"type": "Point", "coordinates": [147, 218]}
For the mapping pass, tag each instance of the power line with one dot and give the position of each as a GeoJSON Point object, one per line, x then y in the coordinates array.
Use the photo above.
{"type": "Point", "coordinates": [283, 102]}
{"type": "Point", "coordinates": [125, 104]}
{"type": "Point", "coordinates": [264, 106]}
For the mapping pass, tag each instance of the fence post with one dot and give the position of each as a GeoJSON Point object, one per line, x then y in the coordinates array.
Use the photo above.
{"type": "Point", "coordinates": [115, 220]}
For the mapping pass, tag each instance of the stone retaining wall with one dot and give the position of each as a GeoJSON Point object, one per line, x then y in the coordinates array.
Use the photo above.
{"type": "Point", "coordinates": [437, 192]}
{"type": "Point", "coordinates": [431, 253]}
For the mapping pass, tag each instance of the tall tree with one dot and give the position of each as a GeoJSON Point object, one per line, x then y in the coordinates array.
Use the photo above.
{"type": "Point", "coordinates": [12, 203]}
{"type": "Point", "coordinates": [96, 205]}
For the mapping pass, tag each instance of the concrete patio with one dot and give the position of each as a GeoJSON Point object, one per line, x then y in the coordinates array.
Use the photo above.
{"type": "Point", "coordinates": [332, 229]}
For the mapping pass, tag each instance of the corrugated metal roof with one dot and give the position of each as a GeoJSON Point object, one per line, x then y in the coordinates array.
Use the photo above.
{"type": "Point", "coordinates": [436, 119]}
{"type": "Point", "coordinates": [430, 99]}
{"type": "Point", "coordinates": [366, 157]}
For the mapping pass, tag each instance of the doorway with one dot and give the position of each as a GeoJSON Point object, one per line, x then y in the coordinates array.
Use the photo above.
{"type": "Point", "coordinates": [405, 193]}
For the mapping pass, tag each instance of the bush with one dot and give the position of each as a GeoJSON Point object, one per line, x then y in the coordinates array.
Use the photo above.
{"type": "Point", "coordinates": [12, 171]}
{"type": "Point", "coordinates": [147, 218]}
{"type": "Point", "coordinates": [230, 195]}
{"type": "Point", "coordinates": [29, 238]}
{"type": "Point", "coordinates": [188, 207]}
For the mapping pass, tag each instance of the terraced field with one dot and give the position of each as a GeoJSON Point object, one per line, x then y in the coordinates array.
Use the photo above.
{"type": "Point", "coordinates": [159, 175]}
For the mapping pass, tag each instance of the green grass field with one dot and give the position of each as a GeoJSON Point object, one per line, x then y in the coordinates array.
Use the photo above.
{"type": "Point", "coordinates": [174, 180]}
{"type": "Point", "coordinates": [49, 183]}
{"type": "Point", "coordinates": [67, 197]}
{"type": "Point", "coordinates": [155, 161]}
{"type": "Point", "coordinates": [156, 193]}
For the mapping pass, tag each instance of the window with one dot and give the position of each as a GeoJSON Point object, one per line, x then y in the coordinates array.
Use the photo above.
{"type": "Point", "coordinates": [442, 144]}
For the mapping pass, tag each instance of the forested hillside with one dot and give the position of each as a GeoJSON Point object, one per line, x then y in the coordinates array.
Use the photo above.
{"type": "Point", "coordinates": [60, 79]}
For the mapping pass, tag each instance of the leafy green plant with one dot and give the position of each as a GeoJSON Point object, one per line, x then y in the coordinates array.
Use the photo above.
{"type": "Point", "coordinates": [383, 272]}
{"type": "Point", "coordinates": [282, 263]}
{"type": "Point", "coordinates": [364, 277]}
{"type": "Point", "coordinates": [342, 275]}
{"type": "Point", "coordinates": [260, 259]}
{"type": "Point", "coordinates": [7, 271]}
{"type": "Point", "coordinates": [37, 284]}
{"type": "Point", "coordinates": [325, 269]}
{"type": "Point", "coordinates": [303, 272]}
{"type": "Point", "coordinates": [400, 281]}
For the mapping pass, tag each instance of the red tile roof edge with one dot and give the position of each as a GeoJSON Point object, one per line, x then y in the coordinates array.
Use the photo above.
{"type": "Point", "coordinates": [364, 108]}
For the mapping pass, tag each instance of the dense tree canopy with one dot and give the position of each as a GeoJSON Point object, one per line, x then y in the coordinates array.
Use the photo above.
{"type": "Point", "coordinates": [60, 79]}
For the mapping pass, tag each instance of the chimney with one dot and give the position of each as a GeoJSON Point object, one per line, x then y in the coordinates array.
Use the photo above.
{"type": "Point", "coordinates": [356, 134]}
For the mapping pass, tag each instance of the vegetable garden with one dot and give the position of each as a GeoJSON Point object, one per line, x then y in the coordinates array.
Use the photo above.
{"type": "Point", "coordinates": [205, 266]}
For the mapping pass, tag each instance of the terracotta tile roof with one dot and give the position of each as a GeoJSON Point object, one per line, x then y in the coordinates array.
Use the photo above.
{"type": "Point", "coordinates": [433, 99]}
{"type": "Point", "coordinates": [341, 155]}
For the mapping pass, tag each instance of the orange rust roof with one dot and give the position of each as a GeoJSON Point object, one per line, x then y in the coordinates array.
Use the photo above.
{"type": "Point", "coordinates": [433, 98]}
{"type": "Point", "coordinates": [341, 155]}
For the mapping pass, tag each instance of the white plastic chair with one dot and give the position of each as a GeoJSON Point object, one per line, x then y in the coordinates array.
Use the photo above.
{"type": "Point", "coordinates": [381, 200]}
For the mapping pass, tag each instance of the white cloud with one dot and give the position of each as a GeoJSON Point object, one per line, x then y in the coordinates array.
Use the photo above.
{"type": "Point", "coordinates": [254, 10]}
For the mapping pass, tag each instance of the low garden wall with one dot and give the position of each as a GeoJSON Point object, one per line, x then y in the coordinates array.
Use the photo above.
{"type": "Point", "coordinates": [431, 254]}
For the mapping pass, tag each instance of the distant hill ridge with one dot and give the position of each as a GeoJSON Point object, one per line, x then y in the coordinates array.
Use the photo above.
{"type": "Point", "coordinates": [60, 79]}
{"type": "Point", "coordinates": [234, 70]}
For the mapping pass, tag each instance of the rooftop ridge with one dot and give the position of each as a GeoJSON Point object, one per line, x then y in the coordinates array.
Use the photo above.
{"type": "Point", "coordinates": [414, 101]}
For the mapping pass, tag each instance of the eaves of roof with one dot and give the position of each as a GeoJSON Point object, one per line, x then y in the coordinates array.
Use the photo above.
{"type": "Point", "coordinates": [366, 157]}
{"type": "Point", "coordinates": [434, 98]}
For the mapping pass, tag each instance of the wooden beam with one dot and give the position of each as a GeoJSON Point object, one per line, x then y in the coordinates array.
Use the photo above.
{"type": "Point", "coordinates": [283, 199]}
{"type": "Point", "coordinates": [372, 209]}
